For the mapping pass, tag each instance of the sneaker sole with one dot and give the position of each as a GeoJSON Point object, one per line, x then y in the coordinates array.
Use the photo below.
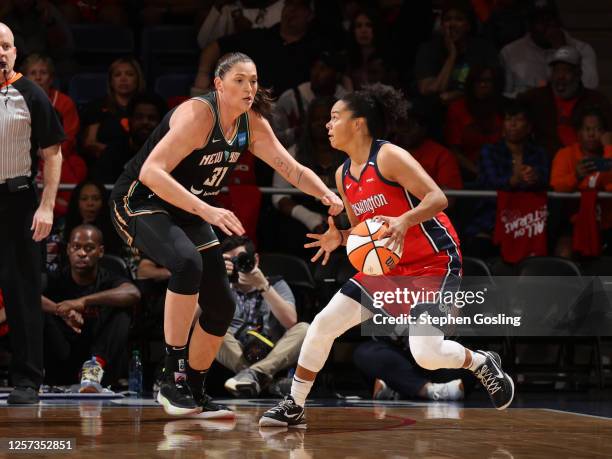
{"type": "Point", "coordinates": [503, 407]}
{"type": "Point", "coordinates": [221, 414]}
{"type": "Point", "coordinates": [172, 410]}
{"type": "Point", "coordinates": [265, 421]}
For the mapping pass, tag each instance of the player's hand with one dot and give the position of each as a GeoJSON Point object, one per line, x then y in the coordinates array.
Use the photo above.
{"type": "Point", "coordinates": [327, 242]}
{"type": "Point", "coordinates": [224, 219]}
{"type": "Point", "coordinates": [396, 232]}
{"type": "Point", "coordinates": [42, 223]}
{"type": "Point", "coordinates": [584, 167]}
{"type": "Point", "coordinates": [334, 203]}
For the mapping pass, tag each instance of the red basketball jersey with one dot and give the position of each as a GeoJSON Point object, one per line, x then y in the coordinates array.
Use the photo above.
{"type": "Point", "coordinates": [371, 195]}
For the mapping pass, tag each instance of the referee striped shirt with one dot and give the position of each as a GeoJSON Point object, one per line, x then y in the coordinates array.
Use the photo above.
{"type": "Point", "coordinates": [28, 122]}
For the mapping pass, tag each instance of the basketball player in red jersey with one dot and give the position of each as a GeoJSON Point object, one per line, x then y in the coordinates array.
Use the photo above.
{"type": "Point", "coordinates": [382, 181]}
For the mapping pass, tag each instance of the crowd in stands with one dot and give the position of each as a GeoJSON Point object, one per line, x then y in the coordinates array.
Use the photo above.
{"type": "Point", "coordinates": [502, 98]}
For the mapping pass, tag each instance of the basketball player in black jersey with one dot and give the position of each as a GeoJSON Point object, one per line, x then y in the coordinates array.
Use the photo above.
{"type": "Point", "coordinates": [160, 206]}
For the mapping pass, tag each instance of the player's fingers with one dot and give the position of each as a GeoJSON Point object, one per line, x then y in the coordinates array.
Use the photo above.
{"type": "Point", "coordinates": [38, 231]}
{"type": "Point", "coordinates": [325, 258]}
{"type": "Point", "coordinates": [330, 222]}
{"type": "Point", "coordinates": [235, 223]}
{"type": "Point", "coordinates": [223, 228]}
{"type": "Point", "coordinates": [314, 236]}
{"type": "Point", "coordinates": [34, 221]}
{"type": "Point", "coordinates": [311, 245]}
{"type": "Point", "coordinates": [317, 255]}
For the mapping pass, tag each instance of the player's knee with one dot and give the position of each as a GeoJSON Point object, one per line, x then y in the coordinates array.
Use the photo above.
{"type": "Point", "coordinates": [322, 328]}
{"type": "Point", "coordinates": [217, 312]}
{"type": "Point", "coordinates": [186, 271]}
{"type": "Point", "coordinates": [423, 353]}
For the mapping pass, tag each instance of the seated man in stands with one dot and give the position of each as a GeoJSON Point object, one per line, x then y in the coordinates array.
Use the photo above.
{"type": "Point", "coordinates": [87, 315]}
{"type": "Point", "coordinates": [584, 165]}
{"type": "Point", "coordinates": [265, 336]}
{"type": "Point", "coordinates": [554, 106]}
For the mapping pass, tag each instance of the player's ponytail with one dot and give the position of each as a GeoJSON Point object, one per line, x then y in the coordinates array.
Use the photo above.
{"type": "Point", "coordinates": [382, 106]}
{"type": "Point", "coordinates": [262, 103]}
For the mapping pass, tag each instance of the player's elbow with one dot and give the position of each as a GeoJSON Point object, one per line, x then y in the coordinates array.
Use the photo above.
{"type": "Point", "coordinates": [441, 201]}
{"type": "Point", "coordinates": [146, 175]}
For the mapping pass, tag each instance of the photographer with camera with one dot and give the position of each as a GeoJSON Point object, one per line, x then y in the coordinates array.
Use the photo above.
{"type": "Point", "coordinates": [265, 336]}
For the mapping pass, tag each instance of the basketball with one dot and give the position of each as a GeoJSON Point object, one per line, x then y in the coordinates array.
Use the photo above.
{"type": "Point", "coordinates": [368, 254]}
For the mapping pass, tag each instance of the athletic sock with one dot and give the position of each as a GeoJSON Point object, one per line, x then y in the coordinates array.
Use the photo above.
{"type": "Point", "coordinates": [196, 380]}
{"type": "Point", "coordinates": [175, 364]}
{"type": "Point", "coordinates": [477, 360]}
{"type": "Point", "coordinates": [300, 388]}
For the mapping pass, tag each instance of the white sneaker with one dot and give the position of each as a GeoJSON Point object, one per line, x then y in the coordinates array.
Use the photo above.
{"type": "Point", "coordinates": [452, 390]}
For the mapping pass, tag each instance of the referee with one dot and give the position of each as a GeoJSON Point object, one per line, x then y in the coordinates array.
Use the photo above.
{"type": "Point", "coordinates": [29, 127]}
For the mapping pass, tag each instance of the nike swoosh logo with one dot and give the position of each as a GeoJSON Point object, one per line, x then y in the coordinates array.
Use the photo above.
{"type": "Point", "coordinates": [292, 416]}
{"type": "Point", "coordinates": [216, 140]}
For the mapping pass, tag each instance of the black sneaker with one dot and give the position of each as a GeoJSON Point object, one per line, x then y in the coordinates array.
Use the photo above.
{"type": "Point", "coordinates": [22, 396]}
{"type": "Point", "coordinates": [212, 410]}
{"type": "Point", "coordinates": [497, 383]}
{"type": "Point", "coordinates": [176, 398]}
{"type": "Point", "coordinates": [287, 413]}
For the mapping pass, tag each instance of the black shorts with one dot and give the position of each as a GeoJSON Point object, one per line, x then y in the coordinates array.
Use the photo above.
{"type": "Point", "coordinates": [127, 210]}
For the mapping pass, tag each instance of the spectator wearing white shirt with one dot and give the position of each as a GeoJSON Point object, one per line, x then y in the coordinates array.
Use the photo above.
{"type": "Point", "coordinates": [526, 59]}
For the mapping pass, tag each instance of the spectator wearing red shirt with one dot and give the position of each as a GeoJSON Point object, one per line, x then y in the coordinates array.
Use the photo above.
{"type": "Point", "coordinates": [555, 105]}
{"type": "Point", "coordinates": [475, 119]}
{"type": "Point", "coordinates": [40, 70]}
{"type": "Point", "coordinates": [437, 160]}
{"type": "Point", "coordinates": [584, 165]}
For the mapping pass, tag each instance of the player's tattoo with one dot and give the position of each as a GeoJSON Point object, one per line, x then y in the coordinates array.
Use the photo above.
{"type": "Point", "coordinates": [282, 167]}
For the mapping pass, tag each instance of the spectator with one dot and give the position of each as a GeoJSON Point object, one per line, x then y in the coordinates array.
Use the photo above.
{"type": "Point", "coordinates": [89, 205]}
{"type": "Point", "coordinates": [554, 106]}
{"type": "Point", "coordinates": [586, 164]}
{"type": "Point", "coordinates": [39, 27]}
{"type": "Point", "coordinates": [390, 366]}
{"type": "Point", "coordinates": [514, 163]}
{"type": "Point", "coordinates": [105, 120]}
{"type": "Point", "coordinates": [284, 53]}
{"type": "Point", "coordinates": [94, 12]}
{"type": "Point", "coordinates": [437, 160]}
{"type": "Point", "coordinates": [87, 315]}
{"type": "Point", "coordinates": [289, 110]}
{"type": "Point", "coordinates": [144, 112]}
{"type": "Point", "coordinates": [40, 69]}
{"type": "Point", "coordinates": [526, 59]}
{"type": "Point", "coordinates": [265, 318]}
{"type": "Point", "coordinates": [365, 40]}
{"type": "Point", "coordinates": [442, 65]}
{"type": "Point", "coordinates": [239, 16]}
{"type": "Point", "coordinates": [301, 214]}
{"type": "Point", "coordinates": [475, 119]}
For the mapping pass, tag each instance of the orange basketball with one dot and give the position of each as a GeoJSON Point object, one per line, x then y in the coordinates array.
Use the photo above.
{"type": "Point", "coordinates": [368, 254]}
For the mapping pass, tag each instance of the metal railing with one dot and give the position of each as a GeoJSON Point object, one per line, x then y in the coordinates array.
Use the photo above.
{"type": "Point", "coordinates": [450, 193]}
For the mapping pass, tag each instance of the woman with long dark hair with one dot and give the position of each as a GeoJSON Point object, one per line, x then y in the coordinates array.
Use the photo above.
{"type": "Point", "coordinates": [382, 181]}
{"type": "Point", "coordinates": [160, 205]}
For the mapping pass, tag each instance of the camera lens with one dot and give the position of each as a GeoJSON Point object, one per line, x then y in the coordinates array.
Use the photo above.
{"type": "Point", "coordinates": [244, 262]}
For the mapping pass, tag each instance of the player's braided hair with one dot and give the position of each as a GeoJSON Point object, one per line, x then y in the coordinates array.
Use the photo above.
{"type": "Point", "coordinates": [382, 106]}
{"type": "Point", "coordinates": [262, 104]}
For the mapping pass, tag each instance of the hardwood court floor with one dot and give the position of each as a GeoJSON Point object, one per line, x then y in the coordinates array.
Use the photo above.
{"type": "Point", "coordinates": [390, 430]}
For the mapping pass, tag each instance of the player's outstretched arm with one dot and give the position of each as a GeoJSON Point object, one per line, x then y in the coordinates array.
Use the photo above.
{"type": "Point", "coordinates": [266, 146]}
{"type": "Point", "coordinates": [190, 127]}
{"type": "Point", "coordinates": [333, 237]}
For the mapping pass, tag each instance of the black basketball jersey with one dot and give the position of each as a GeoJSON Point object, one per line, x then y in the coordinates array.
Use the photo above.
{"type": "Point", "coordinates": [203, 172]}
